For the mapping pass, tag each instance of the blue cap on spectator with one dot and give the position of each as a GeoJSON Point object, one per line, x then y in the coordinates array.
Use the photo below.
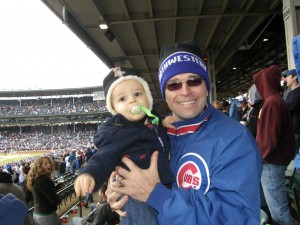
{"type": "Point", "coordinates": [289, 72]}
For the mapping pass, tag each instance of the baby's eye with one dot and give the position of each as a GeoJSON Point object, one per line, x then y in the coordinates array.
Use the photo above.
{"type": "Point", "coordinates": [122, 99]}
{"type": "Point", "coordinates": [138, 94]}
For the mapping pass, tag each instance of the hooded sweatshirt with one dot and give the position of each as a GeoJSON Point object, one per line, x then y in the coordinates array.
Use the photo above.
{"type": "Point", "coordinates": [275, 135]}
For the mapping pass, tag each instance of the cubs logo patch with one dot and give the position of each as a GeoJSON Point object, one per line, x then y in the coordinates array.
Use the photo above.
{"type": "Point", "coordinates": [193, 173]}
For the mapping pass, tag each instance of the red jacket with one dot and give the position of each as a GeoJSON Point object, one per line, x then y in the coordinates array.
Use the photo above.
{"type": "Point", "coordinates": [275, 135]}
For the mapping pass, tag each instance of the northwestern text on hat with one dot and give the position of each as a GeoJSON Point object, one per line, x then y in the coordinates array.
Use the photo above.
{"type": "Point", "coordinates": [180, 57]}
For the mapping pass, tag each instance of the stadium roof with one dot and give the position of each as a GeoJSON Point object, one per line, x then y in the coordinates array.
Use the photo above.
{"type": "Point", "coordinates": [228, 31]}
{"type": "Point", "coordinates": [50, 92]}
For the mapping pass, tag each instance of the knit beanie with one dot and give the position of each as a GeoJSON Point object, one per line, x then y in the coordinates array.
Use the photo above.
{"type": "Point", "coordinates": [181, 58]}
{"type": "Point", "coordinates": [5, 177]}
{"type": "Point", "coordinates": [118, 75]}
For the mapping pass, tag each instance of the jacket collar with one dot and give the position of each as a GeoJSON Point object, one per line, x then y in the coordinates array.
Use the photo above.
{"type": "Point", "coordinates": [191, 125]}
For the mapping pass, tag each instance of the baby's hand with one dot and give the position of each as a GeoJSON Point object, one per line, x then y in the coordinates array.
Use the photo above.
{"type": "Point", "coordinates": [84, 183]}
{"type": "Point", "coordinates": [167, 122]}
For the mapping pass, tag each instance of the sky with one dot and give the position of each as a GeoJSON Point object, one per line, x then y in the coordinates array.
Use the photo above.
{"type": "Point", "coordinates": [37, 51]}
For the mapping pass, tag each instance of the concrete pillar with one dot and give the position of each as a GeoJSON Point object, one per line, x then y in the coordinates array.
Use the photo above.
{"type": "Point", "coordinates": [212, 76]}
{"type": "Point", "coordinates": [291, 18]}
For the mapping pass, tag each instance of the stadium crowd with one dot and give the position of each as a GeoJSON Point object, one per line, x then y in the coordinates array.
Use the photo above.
{"type": "Point", "coordinates": [41, 140]}
{"type": "Point", "coordinates": [66, 106]}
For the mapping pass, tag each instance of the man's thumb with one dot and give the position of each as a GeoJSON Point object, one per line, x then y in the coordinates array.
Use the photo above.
{"type": "Point", "coordinates": [154, 157]}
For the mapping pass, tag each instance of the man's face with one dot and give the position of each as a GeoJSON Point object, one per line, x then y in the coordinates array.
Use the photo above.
{"type": "Point", "coordinates": [189, 101]}
{"type": "Point", "coordinates": [289, 79]}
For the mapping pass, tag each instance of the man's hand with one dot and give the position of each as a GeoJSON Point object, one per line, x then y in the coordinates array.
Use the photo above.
{"type": "Point", "coordinates": [138, 183]}
{"type": "Point", "coordinates": [84, 183]}
{"type": "Point", "coordinates": [114, 199]}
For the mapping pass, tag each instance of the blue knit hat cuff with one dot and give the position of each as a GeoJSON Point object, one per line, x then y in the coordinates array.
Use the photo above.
{"type": "Point", "coordinates": [182, 62]}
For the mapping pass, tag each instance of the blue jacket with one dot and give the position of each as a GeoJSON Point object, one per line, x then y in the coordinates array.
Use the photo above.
{"type": "Point", "coordinates": [234, 110]}
{"type": "Point", "coordinates": [12, 210]}
{"type": "Point", "coordinates": [217, 166]}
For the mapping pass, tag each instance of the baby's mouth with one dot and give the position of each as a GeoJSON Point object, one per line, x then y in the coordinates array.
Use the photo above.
{"type": "Point", "coordinates": [136, 109]}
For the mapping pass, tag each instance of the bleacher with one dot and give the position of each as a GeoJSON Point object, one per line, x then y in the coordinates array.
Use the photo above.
{"type": "Point", "coordinates": [53, 120]}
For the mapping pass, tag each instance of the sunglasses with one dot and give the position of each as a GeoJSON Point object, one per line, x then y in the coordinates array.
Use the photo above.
{"type": "Point", "coordinates": [177, 85]}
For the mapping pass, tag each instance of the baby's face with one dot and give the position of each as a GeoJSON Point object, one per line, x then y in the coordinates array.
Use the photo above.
{"type": "Point", "coordinates": [127, 94]}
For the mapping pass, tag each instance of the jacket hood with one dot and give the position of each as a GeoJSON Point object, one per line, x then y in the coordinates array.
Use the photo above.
{"type": "Point", "coordinates": [267, 81]}
{"type": "Point", "coordinates": [254, 95]}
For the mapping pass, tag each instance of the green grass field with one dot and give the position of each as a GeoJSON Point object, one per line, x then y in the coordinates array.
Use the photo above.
{"type": "Point", "coordinates": [13, 157]}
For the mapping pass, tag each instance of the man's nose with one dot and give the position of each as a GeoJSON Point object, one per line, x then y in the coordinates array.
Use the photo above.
{"type": "Point", "coordinates": [185, 89]}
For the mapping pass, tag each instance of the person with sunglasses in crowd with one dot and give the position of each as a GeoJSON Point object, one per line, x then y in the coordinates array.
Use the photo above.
{"type": "Point", "coordinates": [215, 159]}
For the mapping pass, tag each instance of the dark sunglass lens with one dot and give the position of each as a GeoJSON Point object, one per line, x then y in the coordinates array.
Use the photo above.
{"type": "Point", "coordinates": [174, 86]}
{"type": "Point", "coordinates": [194, 82]}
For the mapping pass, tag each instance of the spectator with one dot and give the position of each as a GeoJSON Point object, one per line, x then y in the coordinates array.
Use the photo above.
{"type": "Point", "coordinates": [132, 132]}
{"type": "Point", "coordinates": [21, 174]}
{"type": "Point", "coordinates": [62, 166]}
{"type": "Point", "coordinates": [13, 173]}
{"type": "Point", "coordinates": [215, 159]}
{"type": "Point", "coordinates": [88, 154]}
{"type": "Point", "coordinates": [39, 182]}
{"type": "Point", "coordinates": [293, 101]}
{"type": "Point", "coordinates": [276, 143]}
{"type": "Point", "coordinates": [243, 108]}
{"type": "Point", "coordinates": [56, 173]}
{"type": "Point", "coordinates": [68, 164]}
{"type": "Point", "coordinates": [72, 162]}
{"type": "Point", "coordinates": [217, 105]}
{"type": "Point", "coordinates": [234, 111]}
{"type": "Point", "coordinates": [12, 210]}
{"type": "Point", "coordinates": [256, 103]}
{"type": "Point", "coordinates": [28, 193]}
{"type": "Point", "coordinates": [102, 213]}
{"type": "Point", "coordinates": [7, 186]}
{"type": "Point", "coordinates": [225, 107]}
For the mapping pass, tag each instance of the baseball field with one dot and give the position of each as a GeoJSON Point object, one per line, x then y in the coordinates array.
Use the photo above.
{"type": "Point", "coordinates": [16, 156]}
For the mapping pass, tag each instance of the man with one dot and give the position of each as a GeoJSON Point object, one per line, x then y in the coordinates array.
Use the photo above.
{"type": "Point", "coordinates": [276, 143]}
{"type": "Point", "coordinates": [215, 160]}
{"type": "Point", "coordinates": [293, 101]}
{"type": "Point", "coordinates": [71, 160]}
{"type": "Point", "coordinates": [88, 154]}
{"type": "Point", "coordinates": [244, 108]}
{"type": "Point", "coordinates": [225, 107]}
{"type": "Point", "coordinates": [101, 213]}
{"type": "Point", "coordinates": [256, 102]}
{"type": "Point", "coordinates": [234, 111]}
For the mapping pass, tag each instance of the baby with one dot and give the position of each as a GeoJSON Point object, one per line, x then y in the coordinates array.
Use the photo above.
{"type": "Point", "coordinates": [132, 132]}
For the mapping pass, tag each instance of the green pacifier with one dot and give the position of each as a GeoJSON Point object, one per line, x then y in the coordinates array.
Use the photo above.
{"type": "Point", "coordinates": [137, 109]}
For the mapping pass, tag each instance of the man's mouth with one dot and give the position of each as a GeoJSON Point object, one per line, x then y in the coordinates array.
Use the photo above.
{"type": "Point", "coordinates": [187, 102]}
